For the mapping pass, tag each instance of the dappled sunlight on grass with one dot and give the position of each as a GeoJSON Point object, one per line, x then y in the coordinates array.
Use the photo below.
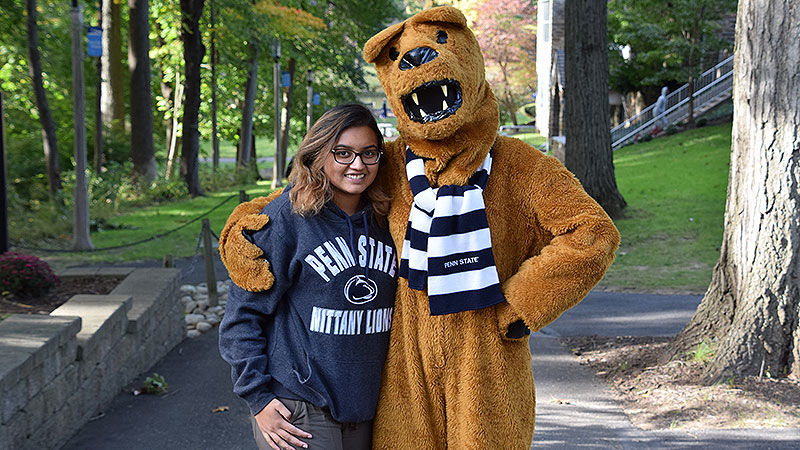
{"type": "Point", "coordinates": [148, 221]}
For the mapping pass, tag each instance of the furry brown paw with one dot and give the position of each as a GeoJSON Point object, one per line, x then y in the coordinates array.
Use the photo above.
{"type": "Point", "coordinates": [243, 259]}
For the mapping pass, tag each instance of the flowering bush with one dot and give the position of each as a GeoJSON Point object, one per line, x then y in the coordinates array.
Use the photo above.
{"type": "Point", "coordinates": [25, 275]}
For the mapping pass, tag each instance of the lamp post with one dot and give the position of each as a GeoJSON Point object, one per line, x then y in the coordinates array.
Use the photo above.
{"type": "Point", "coordinates": [309, 100]}
{"type": "Point", "coordinates": [277, 176]}
{"type": "Point", "coordinates": [80, 223]}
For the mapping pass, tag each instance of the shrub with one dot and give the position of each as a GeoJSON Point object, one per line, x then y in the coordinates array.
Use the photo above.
{"type": "Point", "coordinates": [25, 275]}
{"type": "Point", "coordinates": [671, 129]}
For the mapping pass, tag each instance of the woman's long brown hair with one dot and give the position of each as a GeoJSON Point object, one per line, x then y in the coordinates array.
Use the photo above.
{"type": "Point", "coordinates": [311, 188]}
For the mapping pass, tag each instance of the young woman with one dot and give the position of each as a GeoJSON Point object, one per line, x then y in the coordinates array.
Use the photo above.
{"type": "Point", "coordinates": [307, 354]}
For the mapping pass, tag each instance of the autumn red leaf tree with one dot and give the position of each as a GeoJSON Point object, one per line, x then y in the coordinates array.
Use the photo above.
{"type": "Point", "coordinates": [506, 32]}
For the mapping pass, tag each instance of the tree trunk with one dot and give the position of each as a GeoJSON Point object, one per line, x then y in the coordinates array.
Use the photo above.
{"type": "Point", "coordinates": [193, 51]}
{"type": "Point", "coordinates": [142, 151]}
{"type": "Point", "coordinates": [246, 130]}
{"type": "Point", "coordinates": [45, 116]}
{"type": "Point", "coordinates": [750, 311]}
{"type": "Point", "coordinates": [586, 117]}
{"type": "Point", "coordinates": [214, 57]}
{"type": "Point", "coordinates": [509, 104]}
{"type": "Point", "coordinates": [113, 93]}
{"type": "Point", "coordinates": [288, 103]}
{"type": "Point", "coordinates": [167, 92]}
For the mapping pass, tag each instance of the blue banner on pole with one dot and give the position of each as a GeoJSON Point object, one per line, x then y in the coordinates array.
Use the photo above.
{"type": "Point", "coordinates": [94, 42]}
{"type": "Point", "coordinates": [286, 79]}
{"type": "Point", "coordinates": [315, 99]}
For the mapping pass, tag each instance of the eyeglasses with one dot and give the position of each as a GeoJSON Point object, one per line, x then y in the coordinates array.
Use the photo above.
{"type": "Point", "coordinates": [344, 156]}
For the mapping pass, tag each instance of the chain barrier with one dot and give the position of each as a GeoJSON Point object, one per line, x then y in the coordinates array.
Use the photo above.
{"type": "Point", "coordinates": [197, 254]}
{"type": "Point", "coordinates": [141, 241]}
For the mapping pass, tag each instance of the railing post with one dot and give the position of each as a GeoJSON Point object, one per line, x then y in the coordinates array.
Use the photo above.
{"type": "Point", "coordinates": [211, 279]}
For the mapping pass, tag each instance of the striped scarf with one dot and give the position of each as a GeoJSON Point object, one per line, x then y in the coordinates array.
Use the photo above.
{"type": "Point", "coordinates": [448, 248]}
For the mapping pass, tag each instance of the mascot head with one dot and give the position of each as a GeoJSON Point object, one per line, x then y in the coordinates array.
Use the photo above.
{"type": "Point", "coordinates": [432, 71]}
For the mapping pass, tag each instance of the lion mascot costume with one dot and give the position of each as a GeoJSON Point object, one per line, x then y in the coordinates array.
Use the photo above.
{"type": "Point", "coordinates": [495, 239]}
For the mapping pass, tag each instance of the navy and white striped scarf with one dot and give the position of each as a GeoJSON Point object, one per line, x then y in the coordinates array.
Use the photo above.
{"type": "Point", "coordinates": [448, 248]}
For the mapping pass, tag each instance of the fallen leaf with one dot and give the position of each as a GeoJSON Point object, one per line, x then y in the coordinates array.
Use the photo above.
{"type": "Point", "coordinates": [220, 409]}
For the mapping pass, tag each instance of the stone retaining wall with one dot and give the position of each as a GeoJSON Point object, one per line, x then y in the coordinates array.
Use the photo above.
{"type": "Point", "coordinates": [58, 371]}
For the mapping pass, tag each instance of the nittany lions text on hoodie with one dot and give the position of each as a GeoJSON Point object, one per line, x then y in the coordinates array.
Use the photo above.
{"type": "Point", "coordinates": [320, 334]}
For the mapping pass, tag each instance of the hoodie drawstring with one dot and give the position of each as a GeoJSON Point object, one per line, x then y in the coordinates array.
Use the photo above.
{"type": "Point", "coordinates": [352, 238]}
{"type": "Point", "coordinates": [366, 231]}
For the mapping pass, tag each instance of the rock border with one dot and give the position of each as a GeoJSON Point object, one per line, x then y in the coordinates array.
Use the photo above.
{"type": "Point", "coordinates": [200, 316]}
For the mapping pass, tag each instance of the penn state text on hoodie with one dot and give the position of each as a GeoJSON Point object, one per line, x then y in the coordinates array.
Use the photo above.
{"type": "Point", "coordinates": [321, 333]}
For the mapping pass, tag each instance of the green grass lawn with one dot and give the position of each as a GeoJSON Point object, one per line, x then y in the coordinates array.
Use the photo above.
{"type": "Point", "coordinates": [144, 222]}
{"type": "Point", "coordinates": [534, 139]}
{"type": "Point", "coordinates": [264, 147]}
{"type": "Point", "coordinates": [675, 187]}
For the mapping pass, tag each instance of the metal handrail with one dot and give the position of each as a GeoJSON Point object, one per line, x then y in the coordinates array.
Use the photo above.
{"type": "Point", "coordinates": [670, 98]}
{"type": "Point", "coordinates": [672, 109]}
{"type": "Point", "coordinates": [705, 81]}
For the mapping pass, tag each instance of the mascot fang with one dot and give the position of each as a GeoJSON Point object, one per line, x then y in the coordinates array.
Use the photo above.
{"type": "Point", "coordinates": [496, 239]}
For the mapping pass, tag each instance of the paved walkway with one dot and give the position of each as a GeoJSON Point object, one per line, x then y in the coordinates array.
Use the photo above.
{"type": "Point", "coordinates": [574, 408]}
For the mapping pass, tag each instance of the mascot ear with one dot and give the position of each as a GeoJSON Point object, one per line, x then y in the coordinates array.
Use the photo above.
{"type": "Point", "coordinates": [445, 14]}
{"type": "Point", "coordinates": [375, 44]}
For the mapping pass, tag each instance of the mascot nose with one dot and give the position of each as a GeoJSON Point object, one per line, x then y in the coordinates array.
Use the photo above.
{"type": "Point", "coordinates": [417, 57]}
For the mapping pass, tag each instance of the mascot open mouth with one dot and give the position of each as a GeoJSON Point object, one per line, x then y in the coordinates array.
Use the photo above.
{"type": "Point", "coordinates": [433, 101]}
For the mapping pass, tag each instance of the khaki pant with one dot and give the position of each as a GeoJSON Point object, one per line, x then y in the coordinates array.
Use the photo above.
{"type": "Point", "coordinates": [328, 434]}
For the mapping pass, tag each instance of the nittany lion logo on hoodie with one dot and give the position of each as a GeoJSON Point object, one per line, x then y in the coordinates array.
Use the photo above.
{"type": "Point", "coordinates": [360, 289]}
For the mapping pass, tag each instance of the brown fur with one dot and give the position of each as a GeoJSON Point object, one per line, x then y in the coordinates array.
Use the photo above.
{"type": "Point", "coordinates": [455, 380]}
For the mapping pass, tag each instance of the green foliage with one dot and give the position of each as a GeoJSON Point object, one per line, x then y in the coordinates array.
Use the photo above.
{"type": "Point", "coordinates": [25, 275]}
{"type": "Point", "coordinates": [155, 384]}
{"type": "Point", "coordinates": [325, 37]}
{"type": "Point", "coordinates": [702, 352]}
{"type": "Point", "coordinates": [226, 176]}
{"type": "Point", "coordinates": [530, 110]}
{"type": "Point", "coordinates": [669, 40]}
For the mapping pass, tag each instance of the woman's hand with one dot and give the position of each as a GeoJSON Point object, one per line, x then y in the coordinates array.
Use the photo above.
{"type": "Point", "coordinates": [273, 421]}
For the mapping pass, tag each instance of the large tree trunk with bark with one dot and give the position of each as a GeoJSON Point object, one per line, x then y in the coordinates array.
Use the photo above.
{"type": "Point", "coordinates": [193, 51]}
{"type": "Point", "coordinates": [142, 150]}
{"type": "Point", "coordinates": [750, 311]}
{"type": "Point", "coordinates": [113, 93]}
{"type": "Point", "coordinates": [246, 129]}
{"type": "Point", "coordinates": [586, 109]}
{"type": "Point", "coordinates": [45, 115]}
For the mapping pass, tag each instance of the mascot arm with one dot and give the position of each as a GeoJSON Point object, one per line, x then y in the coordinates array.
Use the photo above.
{"type": "Point", "coordinates": [243, 259]}
{"type": "Point", "coordinates": [582, 248]}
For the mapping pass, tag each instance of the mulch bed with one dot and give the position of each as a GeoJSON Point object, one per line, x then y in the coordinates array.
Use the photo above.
{"type": "Point", "coordinates": [672, 395]}
{"type": "Point", "coordinates": [56, 297]}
